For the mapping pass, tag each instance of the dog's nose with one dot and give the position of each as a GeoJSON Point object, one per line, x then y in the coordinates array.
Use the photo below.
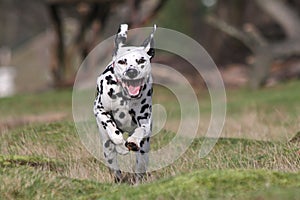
{"type": "Point", "coordinates": [131, 73]}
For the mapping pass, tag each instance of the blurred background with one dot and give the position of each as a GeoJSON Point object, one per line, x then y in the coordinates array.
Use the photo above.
{"type": "Point", "coordinates": [42, 42]}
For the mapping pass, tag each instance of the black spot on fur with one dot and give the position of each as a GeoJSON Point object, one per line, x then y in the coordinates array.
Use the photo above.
{"type": "Point", "coordinates": [146, 115]}
{"type": "Point", "coordinates": [107, 143]}
{"type": "Point", "coordinates": [122, 62]}
{"type": "Point", "coordinates": [122, 115]}
{"type": "Point", "coordinates": [110, 161]}
{"type": "Point", "coordinates": [101, 87]}
{"type": "Point", "coordinates": [111, 93]}
{"type": "Point", "coordinates": [97, 92]}
{"type": "Point", "coordinates": [117, 132]}
{"type": "Point", "coordinates": [142, 143]}
{"type": "Point", "coordinates": [145, 86]}
{"type": "Point", "coordinates": [99, 99]}
{"type": "Point", "coordinates": [104, 125]}
{"type": "Point", "coordinates": [144, 107]}
{"type": "Point", "coordinates": [142, 151]}
{"type": "Point", "coordinates": [151, 52]}
{"type": "Point", "coordinates": [142, 66]}
{"type": "Point", "coordinates": [111, 121]}
{"type": "Point", "coordinates": [108, 69]}
{"type": "Point", "coordinates": [140, 61]}
{"type": "Point", "coordinates": [110, 80]}
{"type": "Point", "coordinates": [149, 93]}
{"type": "Point", "coordinates": [143, 101]}
{"type": "Point", "coordinates": [117, 122]}
{"type": "Point", "coordinates": [148, 139]}
{"type": "Point", "coordinates": [100, 107]}
{"type": "Point", "coordinates": [132, 113]}
{"type": "Point", "coordinates": [104, 113]}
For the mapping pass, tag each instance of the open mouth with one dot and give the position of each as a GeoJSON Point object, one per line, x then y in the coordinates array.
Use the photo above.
{"type": "Point", "coordinates": [133, 87]}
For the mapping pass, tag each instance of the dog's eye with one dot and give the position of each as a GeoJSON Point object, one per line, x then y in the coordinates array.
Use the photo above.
{"type": "Point", "coordinates": [140, 61]}
{"type": "Point", "coordinates": [122, 62]}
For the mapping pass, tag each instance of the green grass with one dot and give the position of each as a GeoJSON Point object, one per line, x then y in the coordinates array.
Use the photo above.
{"type": "Point", "coordinates": [48, 161]}
{"type": "Point", "coordinates": [282, 97]}
{"type": "Point", "coordinates": [28, 104]}
{"type": "Point", "coordinates": [205, 184]}
{"type": "Point", "coordinates": [26, 183]}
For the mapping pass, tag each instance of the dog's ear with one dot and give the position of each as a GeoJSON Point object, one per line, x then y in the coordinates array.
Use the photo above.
{"type": "Point", "coordinates": [149, 43]}
{"type": "Point", "coordinates": [120, 38]}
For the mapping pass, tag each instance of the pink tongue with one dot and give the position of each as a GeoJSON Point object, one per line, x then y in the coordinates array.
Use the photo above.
{"type": "Point", "coordinates": [133, 91]}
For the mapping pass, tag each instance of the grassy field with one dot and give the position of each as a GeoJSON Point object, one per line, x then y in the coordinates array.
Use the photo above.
{"type": "Point", "coordinates": [41, 156]}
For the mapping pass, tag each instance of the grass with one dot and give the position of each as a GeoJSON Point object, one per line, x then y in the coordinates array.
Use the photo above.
{"type": "Point", "coordinates": [26, 183]}
{"type": "Point", "coordinates": [33, 104]}
{"type": "Point", "coordinates": [252, 160]}
{"type": "Point", "coordinates": [281, 98]}
{"type": "Point", "coordinates": [206, 184]}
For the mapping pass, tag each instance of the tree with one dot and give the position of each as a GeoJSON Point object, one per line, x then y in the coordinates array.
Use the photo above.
{"type": "Point", "coordinates": [88, 13]}
{"type": "Point", "coordinates": [264, 50]}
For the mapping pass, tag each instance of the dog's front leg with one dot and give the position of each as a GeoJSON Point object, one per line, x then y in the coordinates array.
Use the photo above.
{"type": "Point", "coordinates": [134, 142]}
{"type": "Point", "coordinates": [140, 140]}
{"type": "Point", "coordinates": [112, 140]}
{"type": "Point", "coordinates": [105, 120]}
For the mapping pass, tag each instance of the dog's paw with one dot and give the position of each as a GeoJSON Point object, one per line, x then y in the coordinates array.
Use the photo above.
{"type": "Point", "coordinates": [132, 146]}
{"type": "Point", "coordinates": [133, 142]}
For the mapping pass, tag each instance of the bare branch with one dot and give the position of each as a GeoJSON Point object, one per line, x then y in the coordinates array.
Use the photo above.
{"type": "Point", "coordinates": [286, 48]}
{"type": "Point", "coordinates": [283, 14]}
{"type": "Point", "coordinates": [255, 34]}
{"type": "Point", "coordinates": [265, 52]}
{"type": "Point", "coordinates": [231, 30]}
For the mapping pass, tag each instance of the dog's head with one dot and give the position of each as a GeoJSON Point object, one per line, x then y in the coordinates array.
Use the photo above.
{"type": "Point", "coordinates": [131, 64]}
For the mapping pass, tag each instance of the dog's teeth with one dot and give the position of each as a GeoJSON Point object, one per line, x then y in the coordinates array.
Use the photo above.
{"type": "Point", "coordinates": [133, 83]}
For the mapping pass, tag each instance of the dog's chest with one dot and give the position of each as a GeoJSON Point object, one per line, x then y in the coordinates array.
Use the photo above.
{"type": "Point", "coordinates": [125, 118]}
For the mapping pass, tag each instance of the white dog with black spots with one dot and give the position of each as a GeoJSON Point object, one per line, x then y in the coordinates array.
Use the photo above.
{"type": "Point", "coordinates": [124, 103]}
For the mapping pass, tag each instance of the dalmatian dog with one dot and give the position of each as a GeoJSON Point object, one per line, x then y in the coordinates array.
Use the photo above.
{"type": "Point", "coordinates": [124, 103]}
